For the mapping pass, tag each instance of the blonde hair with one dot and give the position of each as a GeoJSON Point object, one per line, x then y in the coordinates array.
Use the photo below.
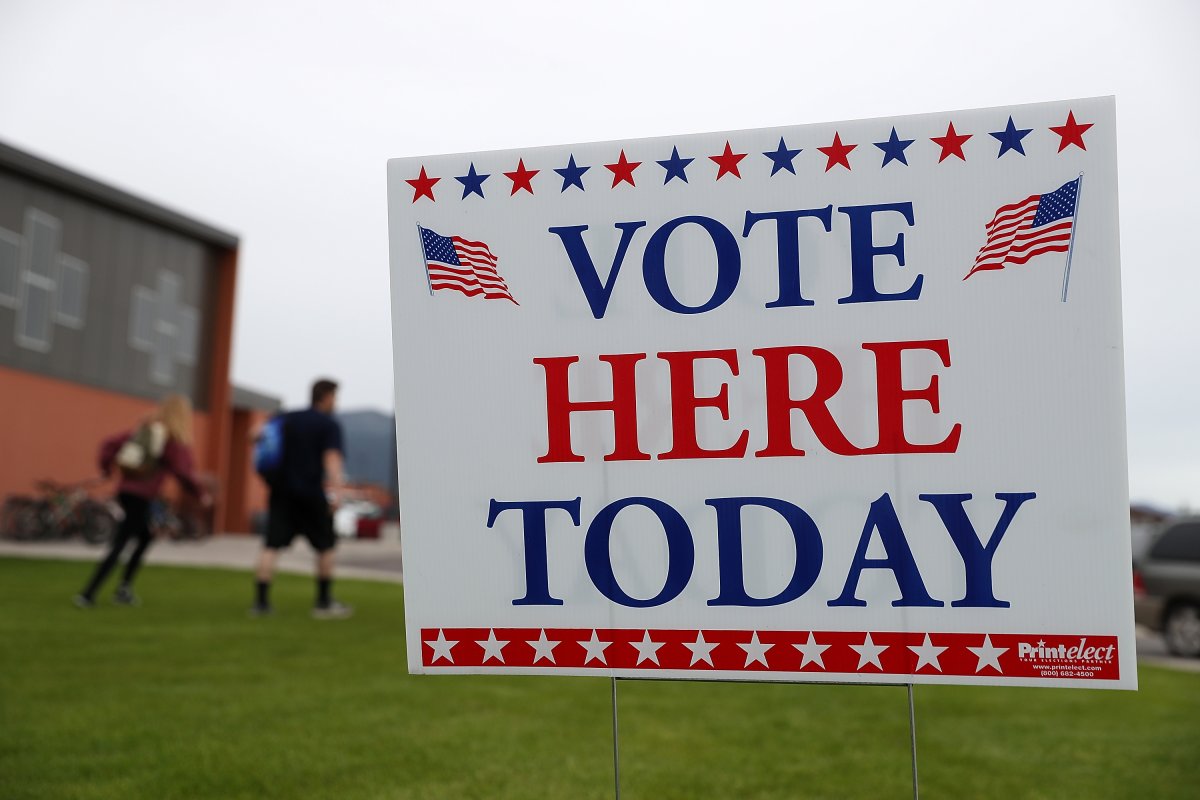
{"type": "Point", "coordinates": [175, 412]}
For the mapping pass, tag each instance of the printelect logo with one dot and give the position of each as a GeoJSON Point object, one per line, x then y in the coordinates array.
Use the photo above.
{"type": "Point", "coordinates": [1080, 652]}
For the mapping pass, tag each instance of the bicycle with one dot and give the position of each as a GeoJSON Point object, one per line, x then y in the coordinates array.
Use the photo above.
{"type": "Point", "coordinates": [20, 518]}
{"type": "Point", "coordinates": [62, 511]}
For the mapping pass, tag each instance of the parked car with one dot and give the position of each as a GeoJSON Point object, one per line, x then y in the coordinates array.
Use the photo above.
{"type": "Point", "coordinates": [369, 523]}
{"type": "Point", "coordinates": [1166, 586]}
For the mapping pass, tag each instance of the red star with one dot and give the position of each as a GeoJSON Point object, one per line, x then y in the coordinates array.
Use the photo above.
{"type": "Point", "coordinates": [623, 170]}
{"type": "Point", "coordinates": [951, 144]}
{"type": "Point", "coordinates": [1071, 132]}
{"type": "Point", "coordinates": [521, 178]}
{"type": "Point", "coordinates": [837, 152]}
{"type": "Point", "coordinates": [727, 162]}
{"type": "Point", "coordinates": [422, 186]}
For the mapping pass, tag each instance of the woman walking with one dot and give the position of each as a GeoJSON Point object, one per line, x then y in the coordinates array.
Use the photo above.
{"type": "Point", "coordinates": [144, 457]}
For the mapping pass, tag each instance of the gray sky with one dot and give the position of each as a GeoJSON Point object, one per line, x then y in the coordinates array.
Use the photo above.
{"type": "Point", "coordinates": [274, 120]}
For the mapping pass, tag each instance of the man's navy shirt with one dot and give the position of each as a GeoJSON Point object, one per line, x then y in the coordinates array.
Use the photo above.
{"type": "Point", "coordinates": [307, 435]}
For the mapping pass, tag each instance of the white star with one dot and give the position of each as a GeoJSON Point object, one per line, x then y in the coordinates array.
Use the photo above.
{"type": "Point", "coordinates": [543, 648]}
{"type": "Point", "coordinates": [492, 648]}
{"type": "Point", "coordinates": [595, 649]}
{"type": "Point", "coordinates": [812, 652]}
{"type": "Point", "coordinates": [988, 655]}
{"type": "Point", "coordinates": [441, 647]}
{"type": "Point", "coordinates": [647, 650]}
{"type": "Point", "coordinates": [868, 652]}
{"type": "Point", "coordinates": [701, 650]}
{"type": "Point", "coordinates": [927, 654]}
{"type": "Point", "coordinates": [755, 650]}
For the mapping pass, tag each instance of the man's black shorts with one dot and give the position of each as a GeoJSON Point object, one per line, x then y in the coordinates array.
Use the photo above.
{"type": "Point", "coordinates": [290, 515]}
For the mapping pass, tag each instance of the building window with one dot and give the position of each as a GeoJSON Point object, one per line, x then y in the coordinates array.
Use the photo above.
{"type": "Point", "coordinates": [189, 336]}
{"type": "Point", "coordinates": [45, 285]}
{"type": "Point", "coordinates": [162, 362]}
{"type": "Point", "coordinates": [166, 329]}
{"type": "Point", "coordinates": [33, 317]}
{"type": "Point", "coordinates": [162, 327]}
{"type": "Point", "coordinates": [10, 268]}
{"type": "Point", "coordinates": [72, 291]}
{"type": "Point", "coordinates": [39, 278]}
{"type": "Point", "coordinates": [42, 233]}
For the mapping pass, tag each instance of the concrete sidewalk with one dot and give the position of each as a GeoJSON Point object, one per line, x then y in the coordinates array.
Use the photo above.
{"type": "Point", "coordinates": [368, 559]}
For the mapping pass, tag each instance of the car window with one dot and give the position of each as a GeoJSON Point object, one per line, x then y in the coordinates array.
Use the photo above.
{"type": "Point", "coordinates": [1180, 542]}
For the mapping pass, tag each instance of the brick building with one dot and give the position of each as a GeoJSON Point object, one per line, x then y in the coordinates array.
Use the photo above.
{"type": "Point", "coordinates": [107, 303]}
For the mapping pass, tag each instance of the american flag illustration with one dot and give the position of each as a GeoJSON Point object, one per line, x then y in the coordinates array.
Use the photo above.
{"type": "Point", "coordinates": [1041, 223]}
{"type": "Point", "coordinates": [462, 265]}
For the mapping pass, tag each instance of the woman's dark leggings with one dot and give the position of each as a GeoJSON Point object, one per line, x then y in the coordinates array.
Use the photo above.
{"type": "Point", "coordinates": [135, 525]}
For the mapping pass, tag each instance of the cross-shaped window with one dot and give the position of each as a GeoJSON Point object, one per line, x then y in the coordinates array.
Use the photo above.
{"type": "Point", "coordinates": [42, 283]}
{"type": "Point", "coordinates": [163, 327]}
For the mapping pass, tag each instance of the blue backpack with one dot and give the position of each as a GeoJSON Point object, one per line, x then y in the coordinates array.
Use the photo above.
{"type": "Point", "coordinates": [268, 449]}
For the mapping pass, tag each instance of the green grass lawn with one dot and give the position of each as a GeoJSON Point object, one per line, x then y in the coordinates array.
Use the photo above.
{"type": "Point", "coordinates": [186, 697]}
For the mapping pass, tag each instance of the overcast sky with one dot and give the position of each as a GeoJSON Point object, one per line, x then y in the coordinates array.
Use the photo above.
{"type": "Point", "coordinates": [274, 120]}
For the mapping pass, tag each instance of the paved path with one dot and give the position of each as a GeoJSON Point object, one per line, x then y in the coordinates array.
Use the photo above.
{"type": "Point", "coordinates": [370, 559]}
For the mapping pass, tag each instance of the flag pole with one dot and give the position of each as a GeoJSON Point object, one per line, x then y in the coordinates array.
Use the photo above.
{"type": "Point", "coordinates": [1071, 246]}
{"type": "Point", "coordinates": [425, 261]}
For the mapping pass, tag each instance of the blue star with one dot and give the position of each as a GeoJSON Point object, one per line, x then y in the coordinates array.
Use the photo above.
{"type": "Point", "coordinates": [1010, 138]}
{"type": "Point", "coordinates": [893, 149]}
{"type": "Point", "coordinates": [472, 182]}
{"type": "Point", "coordinates": [675, 166]}
{"type": "Point", "coordinates": [781, 158]}
{"type": "Point", "coordinates": [572, 175]}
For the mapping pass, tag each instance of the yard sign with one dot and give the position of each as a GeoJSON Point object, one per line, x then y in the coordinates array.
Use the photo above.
{"type": "Point", "coordinates": [834, 402]}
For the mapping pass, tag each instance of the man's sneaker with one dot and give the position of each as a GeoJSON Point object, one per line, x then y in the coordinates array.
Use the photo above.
{"type": "Point", "coordinates": [260, 610]}
{"type": "Point", "coordinates": [126, 597]}
{"type": "Point", "coordinates": [82, 601]}
{"type": "Point", "coordinates": [333, 610]}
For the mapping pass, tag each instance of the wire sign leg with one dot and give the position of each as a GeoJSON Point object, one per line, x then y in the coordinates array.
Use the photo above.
{"type": "Point", "coordinates": [912, 730]}
{"type": "Point", "coordinates": [616, 745]}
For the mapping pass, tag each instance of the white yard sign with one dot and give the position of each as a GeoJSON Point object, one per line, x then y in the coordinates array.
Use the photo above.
{"type": "Point", "coordinates": [834, 402]}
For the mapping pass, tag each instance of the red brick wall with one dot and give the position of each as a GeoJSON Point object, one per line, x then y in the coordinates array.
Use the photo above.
{"type": "Point", "coordinates": [247, 492]}
{"type": "Point", "coordinates": [53, 429]}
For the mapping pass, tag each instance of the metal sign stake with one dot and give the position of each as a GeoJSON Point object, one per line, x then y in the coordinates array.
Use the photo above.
{"type": "Point", "coordinates": [912, 731]}
{"type": "Point", "coordinates": [616, 746]}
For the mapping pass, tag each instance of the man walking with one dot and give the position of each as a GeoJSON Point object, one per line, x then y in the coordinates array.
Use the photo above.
{"type": "Point", "coordinates": [303, 493]}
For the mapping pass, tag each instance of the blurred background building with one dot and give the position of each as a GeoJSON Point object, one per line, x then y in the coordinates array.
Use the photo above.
{"type": "Point", "coordinates": [108, 302]}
